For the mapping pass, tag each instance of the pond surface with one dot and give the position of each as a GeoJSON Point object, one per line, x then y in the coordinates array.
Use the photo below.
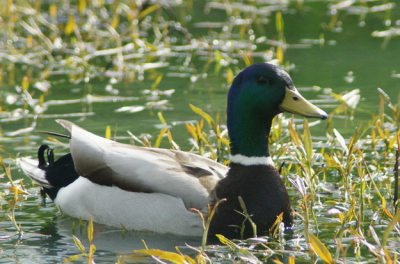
{"type": "Point", "coordinates": [326, 48]}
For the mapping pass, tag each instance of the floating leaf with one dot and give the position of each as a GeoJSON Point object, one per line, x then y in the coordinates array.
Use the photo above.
{"type": "Point", "coordinates": [72, 258]}
{"type": "Point", "coordinates": [242, 253]}
{"type": "Point", "coordinates": [131, 109]}
{"type": "Point", "coordinates": [169, 256]}
{"type": "Point", "coordinates": [352, 98]}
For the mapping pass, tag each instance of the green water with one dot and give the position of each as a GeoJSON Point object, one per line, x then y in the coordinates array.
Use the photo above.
{"type": "Point", "coordinates": [348, 50]}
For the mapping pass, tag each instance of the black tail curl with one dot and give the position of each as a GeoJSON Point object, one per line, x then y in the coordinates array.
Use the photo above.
{"type": "Point", "coordinates": [59, 173]}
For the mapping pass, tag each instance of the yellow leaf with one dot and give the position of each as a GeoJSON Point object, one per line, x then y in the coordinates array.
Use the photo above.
{"type": "Point", "coordinates": [157, 82]}
{"type": "Point", "coordinates": [225, 141]}
{"type": "Point", "coordinates": [330, 162]}
{"type": "Point", "coordinates": [246, 59]}
{"type": "Point", "coordinates": [29, 41]}
{"type": "Point", "coordinates": [2, 163]}
{"type": "Point", "coordinates": [16, 190]}
{"type": "Point", "coordinates": [279, 22]}
{"type": "Point", "coordinates": [92, 249]}
{"type": "Point", "coordinates": [53, 11]}
{"type": "Point", "coordinates": [108, 132]}
{"type": "Point", "coordinates": [90, 230]}
{"type": "Point", "coordinates": [383, 202]}
{"type": "Point", "coordinates": [342, 218]}
{"type": "Point", "coordinates": [160, 137]}
{"type": "Point", "coordinates": [279, 54]}
{"type": "Point", "coordinates": [320, 249]}
{"type": "Point", "coordinates": [161, 117]}
{"type": "Point", "coordinates": [203, 114]}
{"type": "Point", "coordinates": [115, 22]}
{"type": "Point", "coordinates": [242, 253]}
{"type": "Point", "coordinates": [293, 135]}
{"type": "Point", "coordinates": [25, 83]}
{"type": "Point", "coordinates": [148, 10]}
{"type": "Point", "coordinates": [72, 258]}
{"type": "Point", "coordinates": [387, 212]}
{"type": "Point", "coordinates": [307, 140]}
{"type": "Point", "coordinates": [41, 99]}
{"type": "Point", "coordinates": [227, 242]}
{"type": "Point", "coordinates": [229, 76]}
{"type": "Point", "coordinates": [82, 6]}
{"type": "Point", "coordinates": [79, 244]}
{"type": "Point", "coordinates": [191, 130]}
{"type": "Point", "coordinates": [169, 256]}
{"type": "Point", "coordinates": [70, 26]}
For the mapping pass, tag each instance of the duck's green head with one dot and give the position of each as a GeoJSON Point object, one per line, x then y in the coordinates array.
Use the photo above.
{"type": "Point", "coordinates": [257, 94]}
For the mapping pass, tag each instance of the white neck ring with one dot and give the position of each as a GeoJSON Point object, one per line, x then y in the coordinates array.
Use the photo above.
{"type": "Point", "coordinates": [248, 161]}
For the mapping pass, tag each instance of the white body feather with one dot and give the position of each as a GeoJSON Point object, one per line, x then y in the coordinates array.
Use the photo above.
{"type": "Point", "coordinates": [141, 169]}
{"type": "Point", "coordinates": [151, 189]}
{"type": "Point", "coordinates": [135, 211]}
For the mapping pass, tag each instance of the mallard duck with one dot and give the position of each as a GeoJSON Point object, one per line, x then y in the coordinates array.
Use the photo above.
{"type": "Point", "coordinates": [155, 189]}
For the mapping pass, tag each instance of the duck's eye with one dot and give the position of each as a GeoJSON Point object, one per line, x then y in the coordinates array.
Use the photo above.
{"type": "Point", "coordinates": [263, 80]}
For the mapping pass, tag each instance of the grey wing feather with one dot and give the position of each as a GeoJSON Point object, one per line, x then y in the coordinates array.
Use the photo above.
{"type": "Point", "coordinates": [177, 173]}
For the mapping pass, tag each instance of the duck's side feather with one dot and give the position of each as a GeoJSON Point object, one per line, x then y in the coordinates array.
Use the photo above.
{"type": "Point", "coordinates": [150, 170]}
{"type": "Point", "coordinates": [156, 212]}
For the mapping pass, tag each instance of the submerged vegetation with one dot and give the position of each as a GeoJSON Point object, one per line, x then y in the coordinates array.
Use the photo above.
{"type": "Point", "coordinates": [343, 185]}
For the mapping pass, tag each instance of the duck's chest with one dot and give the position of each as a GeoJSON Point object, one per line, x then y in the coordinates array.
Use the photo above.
{"type": "Point", "coordinates": [259, 182]}
{"type": "Point", "coordinates": [263, 193]}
